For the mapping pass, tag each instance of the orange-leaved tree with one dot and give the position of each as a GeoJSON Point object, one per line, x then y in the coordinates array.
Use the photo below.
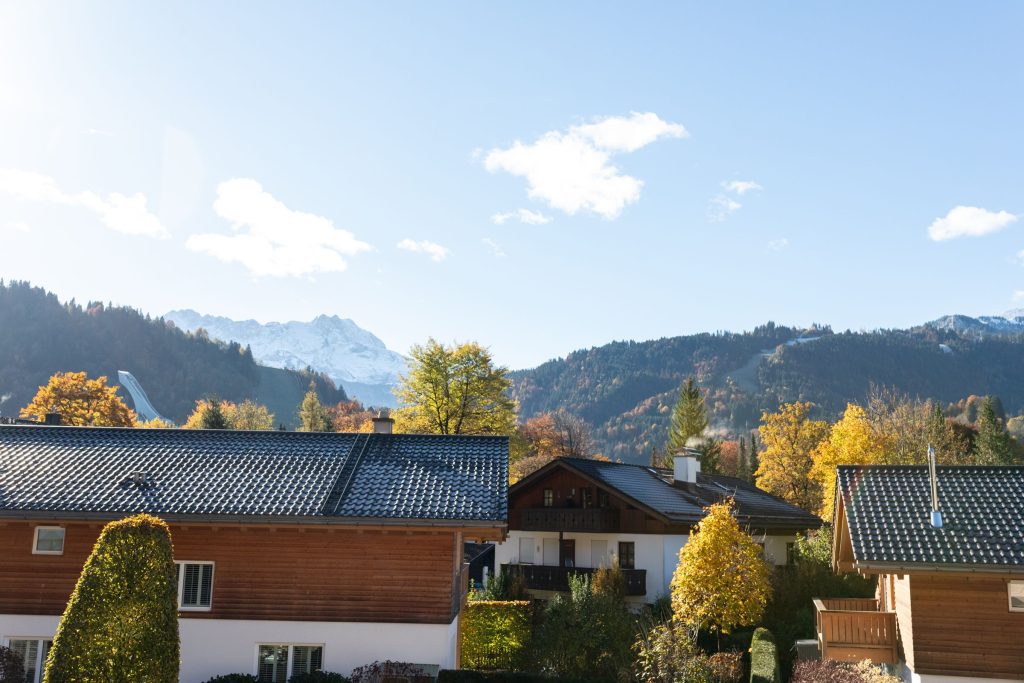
{"type": "Point", "coordinates": [80, 401]}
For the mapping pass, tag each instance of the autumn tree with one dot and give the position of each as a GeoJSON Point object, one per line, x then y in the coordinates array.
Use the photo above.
{"type": "Point", "coordinates": [210, 413]}
{"type": "Point", "coordinates": [789, 438]}
{"type": "Point", "coordinates": [722, 581]}
{"type": "Point", "coordinates": [80, 401]}
{"type": "Point", "coordinates": [852, 440]}
{"type": "Point", "coordinates": [731, 459]}
{"type": "Point", "coordinates": [250, 415]}
{"type": "Point", "coordinates": [994, 446]}
{"type": "Point", "coordinates": [548, 436]}
{"type": "Point", "coordinates": [454, 390]}
{"type": "Point", "coordinates": [155, 423]}
{"type": "Point", "coordinates": [351, 416]}
{"type": "Point", "coordinates": [313, 417]}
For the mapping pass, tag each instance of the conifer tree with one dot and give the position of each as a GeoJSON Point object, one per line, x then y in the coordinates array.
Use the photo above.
{"type": "Point", "coordinates": [742, 465]}
{"type": "Point", "coordinates": [313, 417]}
{"type": "Point", "coordinates": [994, 445]}
{"type": "Point", "coordinates": [753, 459]}
{"type": "Point", "coordinates": [121, 623]}
{"type": "Point", "coordinates": [213, 416]}
{"type": "Point", "coordinates": [689, 418]}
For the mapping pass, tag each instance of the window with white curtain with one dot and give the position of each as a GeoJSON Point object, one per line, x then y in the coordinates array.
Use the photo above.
{"type": "Point", "coordinates": [277, 662]}
{"type": "Point", "coordinates": [195, 585]}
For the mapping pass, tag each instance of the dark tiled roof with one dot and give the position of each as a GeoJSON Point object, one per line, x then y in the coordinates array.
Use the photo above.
{"type": "Point", "coordinates": [685, 503]}
{"type": "Point", "coordinates": [888, 512]}
{"type": "Point", "coordinates": [299, 476]}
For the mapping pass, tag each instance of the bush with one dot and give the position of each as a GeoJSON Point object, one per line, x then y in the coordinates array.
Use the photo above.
{"type": "Point", "coordinates": [831, 671]}
{"type": "Point", "coordinates": [726, 667]}
{"type": "Point", "coordinates": [234, 678]}
{"type": "Point", "coordinates": [665, 653]}
{"type": "Point", "coordinates": [319, 677]}
{"type": "Point", "coordinates": [390, 672]}
{"type": "Point", "coordinates": [121, 623]}
{"type": "Point", "coordinates": [509, 585]}
{"type": "Point", "coordinates": [495, 635]}
{"type": "Point", "coordinates": [764, 660]}
{"type": "Point", "coordinates": [468, 676]}
{"type": "Point", "coordinates": [12, 669]}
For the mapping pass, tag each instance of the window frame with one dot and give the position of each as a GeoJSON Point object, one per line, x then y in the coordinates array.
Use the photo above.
{"type": "Point", "coordinates": [1010, 585]}
{"type": "Point", "coordinates": [180, 566]}
{"type": "Point", "coordinates": [35, 540]}
{"type": "Point", "coordinates": [290, 661]}
{"type": "Point", "coordinates": [549, 498]}
{"type": "Point", "coordinates": [632, 554]}
{"type": "Point", "coordinates": [42, 650]}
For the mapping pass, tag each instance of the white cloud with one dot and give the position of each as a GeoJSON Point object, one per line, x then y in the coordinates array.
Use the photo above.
{"type": "Point", "coordinates": [779, 244]}
{"type": "Point", "coordinates": [721, 207]}
{"type": "Point", "coordinates": [741, 187]}
{"type": "Point", "coordinates": [272, 239]}
{"type": "Point", "coordinates": [122, 213]}
{"type": "Point", "coordinates": [16, 226]}
{"type": "Point", "coordinates": [1018, 296]}
{"type": "Point", "coordinates": [523, 216]}
{"type": "Point", "coordinates": [435, 251]}
{"type": "Point", "coordinates": [495, 248]}
{"type": "Point", "coordinates": [969, 221]}
{"type": "Point", "coordinates": [572, 170]}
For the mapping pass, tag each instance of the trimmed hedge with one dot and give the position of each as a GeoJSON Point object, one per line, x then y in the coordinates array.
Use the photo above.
{"type": "Point", "coordinates": [121, 623]}
{"type": "Point", "coordinates": [468, 676]}
{"type": "Point", "coordinates": [764, 660]}
{"type": "Point", "coordinates": [495, 634]}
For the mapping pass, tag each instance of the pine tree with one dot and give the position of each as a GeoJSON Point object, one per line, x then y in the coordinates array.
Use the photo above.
{"type": "Point", "coordinates": [742, 465]}
{"type": "Point", "coordinates": [212, 416]}
{"type": "Point", "coordinates": [753, 459]}
{"type": "Point", "coordinates": [710, 451]}
{"type": "Point", "coordinates": [313, 417]}
{"type": "Point", "coordinates": [994, 445]}
{"type": "Point", "coordinates": [689, 418]}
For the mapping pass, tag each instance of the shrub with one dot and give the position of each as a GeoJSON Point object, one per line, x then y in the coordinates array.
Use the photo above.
{"type": "Point", "coordinates": [509, 585]}
{"type": "Point", "coordinates": [726, 667]}
{"type": "Point", "coordinates": [121, 623]}
{"type": "Point", "coordinates": [12, 669]}
{"type": "Point", "coordinates": [319, 677]}
{"type": "Point", "coordinates": [665, 653]}
{"type": "Point", "coordinates": [469, 676]}
{"type": "Point", "coordinates": [495, 635]}
{"type": "Point", "coordinates": [831, 671]}
{"type": "Point", "coordinates": [390, 672]}
{"type": "Point", "coordinates": [764, 661]}
{"type": "Point", "coordinates": [234, 678]}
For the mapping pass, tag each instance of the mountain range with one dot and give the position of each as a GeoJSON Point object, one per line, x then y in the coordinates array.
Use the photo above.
{"type": "Point", "coordinates": [354, 358]}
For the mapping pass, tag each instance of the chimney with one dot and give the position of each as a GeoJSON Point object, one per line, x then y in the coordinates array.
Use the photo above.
{"type": "Point", "coordinates": [382, 423]}
{"type": "Point", "coordinates": [933, 480]}
{"type": "Point", "coordinates": [685, 467]}
{"type": "Point", "coordinates": [52, 419]}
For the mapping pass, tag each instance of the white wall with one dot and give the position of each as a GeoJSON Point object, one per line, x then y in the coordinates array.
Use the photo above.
{"type": "Point", "coordinates": [210, 647]}
{"type": "Point", "coordinates": [657, 553]}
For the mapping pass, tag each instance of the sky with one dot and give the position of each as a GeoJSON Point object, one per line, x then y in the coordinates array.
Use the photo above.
{"type": "Point", "coordinates": [538, 177]}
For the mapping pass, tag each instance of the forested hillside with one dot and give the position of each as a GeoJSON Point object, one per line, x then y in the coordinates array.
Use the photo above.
{"type": "Point", "coordinates": [626, 390]}
{"type": "Point", "coordinates": [40, 336]}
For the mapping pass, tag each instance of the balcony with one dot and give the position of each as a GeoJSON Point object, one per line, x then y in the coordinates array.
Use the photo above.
{"type": "Point", "coordinates": [852, 629]}
{"type": "Point", "coordinates": [547, 578]}
{"type": "Point", "coordinates": [595, 520]}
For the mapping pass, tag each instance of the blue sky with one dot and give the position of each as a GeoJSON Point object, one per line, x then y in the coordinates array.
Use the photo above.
{"type": "Point", "coordinates": [538, 177]}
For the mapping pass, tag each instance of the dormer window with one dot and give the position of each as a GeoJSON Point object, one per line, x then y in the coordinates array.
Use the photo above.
{"type": "Point", "coordinates": [49, 540]}
{"type": "Point", "coordinates": [1016, 591]}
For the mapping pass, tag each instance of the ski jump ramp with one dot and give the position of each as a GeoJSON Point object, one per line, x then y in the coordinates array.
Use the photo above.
{"type": "Point", "coordinates": [143, 407]}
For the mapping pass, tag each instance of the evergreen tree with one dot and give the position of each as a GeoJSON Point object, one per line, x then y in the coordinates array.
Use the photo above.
{"type": "Point", "coordinates": [710, 451]}
{"type": "Point", "coordinates": [313, 417]}
{"type": "Point", "coordinates": [121, 623]}
{"type": "Point", "coordinates": [689, 418]}
{"type": "Point", "coordinates": [994, 446]}
{"type": "Point", "coordinates": [753, 459]}
{"type": "Point", "coordinates": [212, 416]}
{"type": "Point", "coordinates": [742, 465]}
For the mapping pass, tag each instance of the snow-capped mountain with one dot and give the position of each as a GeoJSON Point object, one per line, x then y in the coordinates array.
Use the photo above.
{"type": "Point", "coordinates": [351, 356]}
{"type": "Point", "coordinates": [1011, 322]}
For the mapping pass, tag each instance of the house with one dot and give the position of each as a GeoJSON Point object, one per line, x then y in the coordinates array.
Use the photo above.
{"type": "Point", "coordinates": [575, 515]}
{"type": "Point", "coordinates": [947, 547]}
{"type": "Point", "coordinates": [295, 551]}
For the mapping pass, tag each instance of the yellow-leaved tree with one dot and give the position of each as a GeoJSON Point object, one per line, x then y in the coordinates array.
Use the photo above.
{"type": "Point", "coordinates": [722, 581]}
{"type": "Point", "coordinates": [80, 401]}
{"type": "Point", "coordinates": [854, 440]}
{"type": "Point", "coordinates": [789, 438]}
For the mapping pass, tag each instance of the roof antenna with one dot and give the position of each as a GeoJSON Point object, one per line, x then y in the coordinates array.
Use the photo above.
{"type": "Point", "coordinates": [933, 478]}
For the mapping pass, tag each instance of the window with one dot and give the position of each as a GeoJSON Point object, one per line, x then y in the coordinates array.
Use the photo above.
{"type": "Point", "coordinates": [568, 552]}
{"type": "Point", "coordinates": [791, 553]}
{"type": "Point", "coordinates": [276, 663]}
{"type": "Point", "coordinates": [587, 497]}
{"type": "Point", "coordinates": [627, 555]}
{"type": "Point", "coordinates": [49, 540]}
{"type": "Point", "coordinates": [602, 499]}
{"type": "Point", "coordinates": [33, 653]}
{"type": "Point", "coordinates": [1016, 591]}
{"type": "Point", "coordinates": [195, 585]}
{"type": "Point", "coordinates": [526, 550]}
{"type": "Point", "coordinates": [549, 498]}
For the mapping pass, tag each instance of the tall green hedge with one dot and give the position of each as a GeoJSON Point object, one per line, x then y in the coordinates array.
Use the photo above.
{"type": "Point", "coordinates": [121, 623]}
{"type": "Point", "coordinates": [764, 660]}
{"type": "Point", "coordinates": [467, 676]}
{"type": "Point", "coordinates": [495, 634]}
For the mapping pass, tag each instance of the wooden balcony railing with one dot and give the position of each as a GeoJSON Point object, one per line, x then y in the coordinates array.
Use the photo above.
{"type": "Point", "coordinates": [548, 578]}
{"type": "Point", "coordinates": [460, 589]}
{"type": "Point", "coordinates": [852, 629]}
{"type": "Point", "coordinates": [597, 520]}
